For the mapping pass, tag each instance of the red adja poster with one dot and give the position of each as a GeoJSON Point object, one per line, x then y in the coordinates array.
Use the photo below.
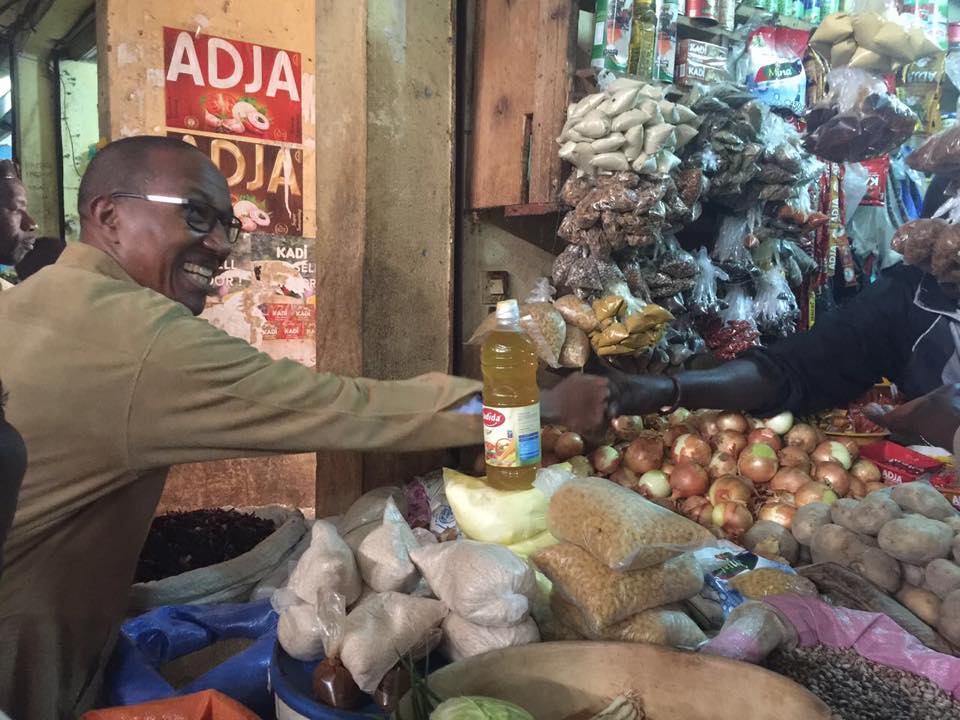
{"type": "Point", "coordinates": [232, 87]}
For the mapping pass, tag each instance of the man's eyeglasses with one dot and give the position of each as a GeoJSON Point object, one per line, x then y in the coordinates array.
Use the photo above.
{"type": "Point", "coordinates": [199, 216]}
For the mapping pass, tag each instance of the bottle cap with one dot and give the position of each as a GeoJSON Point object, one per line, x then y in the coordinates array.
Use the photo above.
{"type": "Point", "coordinates": [508, 311]}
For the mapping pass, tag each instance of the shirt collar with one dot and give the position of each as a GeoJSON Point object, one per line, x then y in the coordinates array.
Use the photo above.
{"type": "Point", "coordinates": [929, 297]}
{"type": "Point", "coordinates": [87, 257]}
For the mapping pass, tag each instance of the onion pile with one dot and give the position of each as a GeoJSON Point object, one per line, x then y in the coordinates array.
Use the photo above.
{"type": "Point", "coordinates": [722, 470]}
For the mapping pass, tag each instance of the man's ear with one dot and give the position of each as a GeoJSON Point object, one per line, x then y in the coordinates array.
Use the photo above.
{"type": "Point", "coordinates": [103, 213]}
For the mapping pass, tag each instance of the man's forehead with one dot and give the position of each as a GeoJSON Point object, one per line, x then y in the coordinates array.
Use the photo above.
{"type": "Point", "coordinates": [187, 173]}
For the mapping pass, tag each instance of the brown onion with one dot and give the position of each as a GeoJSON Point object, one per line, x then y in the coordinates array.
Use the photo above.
{"type": "Point", "coordinates": [730, 442]}
{"type": "Point", "coordinates": [804, 437]}
{"type": "Point", "coordinates": [852, 447]}
{"type": "Point", "coordinates": [766, 436]}
{"type": "Point", "coordinates": [606, 460]}
{"type": "Point", "coordinates": [707, 423]}
{"type": "Point", "coordinates": [627, 427]}
{"type": "Point", "coordinates": [758, 463]}
{"type": "Point", "coordinates": [789, 480]}
{"type": "Point", "coordinates": [679, 416]}
{"type": "Point", "coordinates": [875, 485]}
{"type": "Point", "coordinates": [667, 467]}
{"type": "Point", "coordinates": [733, 518]}
{"type": "Point", "coordinates": [549, 436]}
{"type": "Point", "coordinates": [778, 512]}
{"type": "Point", "coordinates": [733, 422]}
{"type": "Point", "coordinates": [833, 475]}
{"type": "Point", "coordinates": [832, 451]}
{"type": "Point", "coordinates": [654, 484]}
{"type": "Point", "coordinates": [858, 488]}
{"type": "Point", "coordinates": [581, 467]}
{"type": "Point", "coordinates": [698, 509]}
{"type": "Point", "coordinates": [865, 471]}
{"type": "Point", "coordinates": [688, 479]}
{"type": "Point", "coordinates": [731, 488]}
{"type": "Point", "coordinates": [676, 431]}
{"type": "Point", "coordinates": [814, 492]}
{"type": "Point", "coordinates": [569, 445]}
{"type": "Point", "coordinates": [644, 454]}
{"type": "Point", "coordinates": [795, 457]}
{"type": "Point", "coordinates": [626, 478]}
{"type": "Point", "coordinates": [721, 464]}
{"type": "Point", "coordinates": [692, 448]}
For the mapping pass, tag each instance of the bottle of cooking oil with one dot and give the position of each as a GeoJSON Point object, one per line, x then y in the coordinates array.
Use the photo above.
{"type": "Point", "coordinates": [511, 403]}
{"type": "Point", "coordinates": [643, 40]}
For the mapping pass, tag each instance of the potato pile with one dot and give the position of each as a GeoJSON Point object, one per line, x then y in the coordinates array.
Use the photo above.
{"type": "Point", "coordinates": [870, 42]}
{"type": "Point", "coordinates": [620, 565]}
{"type": "Point", "coordinates": [905, 539]}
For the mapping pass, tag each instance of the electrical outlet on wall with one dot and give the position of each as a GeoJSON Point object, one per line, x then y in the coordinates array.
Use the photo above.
{"type": "Point", "coordinates": [496, 286]}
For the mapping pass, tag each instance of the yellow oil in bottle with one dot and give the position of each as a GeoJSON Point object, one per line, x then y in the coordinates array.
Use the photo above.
{"type": "Point", "coordinates": [511, 403]}
{"type": "Point", "coordinates": [643, 40]}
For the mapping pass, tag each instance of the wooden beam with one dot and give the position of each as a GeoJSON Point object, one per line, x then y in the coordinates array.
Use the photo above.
{"type": "Point", "coordinates": [341, 100]}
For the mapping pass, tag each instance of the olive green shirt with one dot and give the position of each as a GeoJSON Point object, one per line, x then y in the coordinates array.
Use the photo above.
{"type": "Point", "coordinates": [111, 383]}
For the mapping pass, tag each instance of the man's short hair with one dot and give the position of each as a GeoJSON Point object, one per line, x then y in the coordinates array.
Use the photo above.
{"type": "Point", "coordinates": [122, 166]}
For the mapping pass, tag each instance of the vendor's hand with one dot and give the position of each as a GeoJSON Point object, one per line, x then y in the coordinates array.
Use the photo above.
{"type": "Point", "coordinates": [932, 419]}
{"type": "Point", "coordinates": [581, 403]}
{"type": "Point", "coordinates": [637, 394]}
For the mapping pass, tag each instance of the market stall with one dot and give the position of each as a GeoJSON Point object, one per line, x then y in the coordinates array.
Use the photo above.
{"type": "Point", "coordinates": [719, 177]}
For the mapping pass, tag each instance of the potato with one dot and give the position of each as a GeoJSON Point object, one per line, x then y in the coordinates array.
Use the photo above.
{"type": "Point", "coordinates": [789, 549]}
{"type": "Point", "coordinates": [879, 568]}
{"type": "Point", "coordinates": [916, 540]}
{"type": "Point", "coordinates": [922, 498]}
{"type": "Point", "coordinates": [949, 625]}
{"type": "Point", "coordinates": [912, 574]}
{"type": "Point", "coordinates": [807, 520]}
{"type": "Point", "coordinates": [833, 543]}
{"type": "Point", "coordinates": [941, 577]}
{"type": "Point", "coordinates": [865, 517]}
{"type": "Point", "coordinates": [922, 603]}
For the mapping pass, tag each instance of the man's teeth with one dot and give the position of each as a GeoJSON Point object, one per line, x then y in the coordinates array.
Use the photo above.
{"type": "Point", "coordinates": [198, 270]}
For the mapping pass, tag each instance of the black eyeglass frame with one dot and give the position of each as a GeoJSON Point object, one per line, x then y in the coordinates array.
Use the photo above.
{"type": "Point", "coordinates": [231, 225]}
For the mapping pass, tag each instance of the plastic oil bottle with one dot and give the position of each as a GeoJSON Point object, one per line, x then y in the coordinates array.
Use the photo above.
{"type": "Point", "coordinates": [511, 403]}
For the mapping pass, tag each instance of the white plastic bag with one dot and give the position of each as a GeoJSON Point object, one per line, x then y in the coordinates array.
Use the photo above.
{"type": "Point", "coordinates": [383, 629]}
{"type": "Point", "coordinates": [327, 565]}
{"type": "Point", "coordinates": [368, 509]}
{"type": "Point", "coordinates": [298, 631]}
{"type": "Point", "coordinates": [384, 555]}
{"type": "Point", "coordinates": [463, 639]}
{"type": "Point", "coordinates": [485, 584]}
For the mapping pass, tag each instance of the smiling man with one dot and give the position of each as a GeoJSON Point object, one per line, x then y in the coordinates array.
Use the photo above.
{"type": "Point", "coordinates": [113, 379]}
{"type": "Point", "coordinates": [18, 231]}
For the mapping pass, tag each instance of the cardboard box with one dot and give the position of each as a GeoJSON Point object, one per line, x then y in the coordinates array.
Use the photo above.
{"type": "Point", "coordinates": [699, 61]}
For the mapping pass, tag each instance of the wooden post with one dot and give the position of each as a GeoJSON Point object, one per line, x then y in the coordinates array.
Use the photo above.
{"type": "Point", "coordinates": [341, 102]}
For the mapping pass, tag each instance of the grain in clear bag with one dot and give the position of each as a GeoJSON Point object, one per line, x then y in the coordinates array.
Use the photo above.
{"type": "Point", "coordinates": [620, 528]}
{"type": "Point", "coordinates": [606, 597]}
{"type": "Point", "coordinates": [668, 626]}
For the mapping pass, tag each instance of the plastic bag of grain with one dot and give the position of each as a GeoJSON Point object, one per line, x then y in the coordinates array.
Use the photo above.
{"type": "Point", "coordinates": [605, 596]}
{"type": "Point", "coordinates": [299, 630]}
{"type": "Point", "coordinates": [619, 527]}
{"type": "Point", "coordinates": [485, 584]}
{"type": "Point", "coordinates": [668, 626]}
{"type": "Point", "coordinates": [384, 628]}
{"type": "Point", "coordinates": [463, 639]}
{"type": "Point", "coordinates": [328, 564]}
{"type": "Point", "coordinates": [384, 555]}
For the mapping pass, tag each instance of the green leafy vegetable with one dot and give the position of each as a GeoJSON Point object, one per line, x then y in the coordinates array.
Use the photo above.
{"type": "Point", "coordinates": [479, 708]}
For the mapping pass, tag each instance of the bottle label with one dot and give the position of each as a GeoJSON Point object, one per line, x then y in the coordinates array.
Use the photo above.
{"type": "Point", "coordinates": [511, 436]}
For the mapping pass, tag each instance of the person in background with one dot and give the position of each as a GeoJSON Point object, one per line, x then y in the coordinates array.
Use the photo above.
{"type": "Point", "coordinates": [117, 380]}
{"type": "Point", "coordinates": [45, 252]}
{"type": "Point", "coordinates": [18, 230]}
{"type": "Point", "coordinates": [905, 327]}
{"type": "Point", "coordinates": [13, 464]}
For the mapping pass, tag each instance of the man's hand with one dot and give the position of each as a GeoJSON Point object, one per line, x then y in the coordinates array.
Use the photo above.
{"type": "Point", "coordinates": [932, 419]}
{"type": "Point", "coordinates": [582, 403]}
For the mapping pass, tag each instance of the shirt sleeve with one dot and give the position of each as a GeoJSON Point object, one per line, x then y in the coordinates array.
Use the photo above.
{"type": "Point", "coordinates": [204, 395]}
{"type": "Point", "coordinates": [844, 354]}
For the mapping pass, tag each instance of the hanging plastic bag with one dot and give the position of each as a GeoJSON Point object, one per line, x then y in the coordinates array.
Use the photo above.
{"type": "Point", "coordinates": [737, 331]}
{"type": "Point", "coordinates": [859, 119]}
{"type": "Point", "coordinates": [703, 297]}
{"type": "Point", "coordinates": [855, 181]}
{"type": "Point", "coordinates": [777, 311]}
{"type": "Point", "coordinates": [730, 250]}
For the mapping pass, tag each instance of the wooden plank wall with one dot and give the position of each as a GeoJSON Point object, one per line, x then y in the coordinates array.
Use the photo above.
{"type": "Point", "coordinates": [523, 75]}
{"type": "Point", "coordinates": [341, 220]}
